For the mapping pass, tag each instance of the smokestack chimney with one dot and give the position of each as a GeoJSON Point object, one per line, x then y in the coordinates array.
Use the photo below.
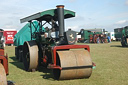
{"type": "Point", "coordinates": [60, 14]}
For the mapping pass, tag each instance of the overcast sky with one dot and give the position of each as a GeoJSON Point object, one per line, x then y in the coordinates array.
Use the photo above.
{"type": "Point", "coordinates": [105, 14]}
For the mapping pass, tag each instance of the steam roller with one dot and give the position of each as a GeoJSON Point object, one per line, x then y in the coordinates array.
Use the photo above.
{"type": "Point", "coordinates": [54, 48]}
{"type": "Point", "coordinates": [3, 62]}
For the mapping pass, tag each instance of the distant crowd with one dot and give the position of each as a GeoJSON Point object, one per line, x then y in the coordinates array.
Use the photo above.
{"type": "Point", "coordinates": [99, 38]}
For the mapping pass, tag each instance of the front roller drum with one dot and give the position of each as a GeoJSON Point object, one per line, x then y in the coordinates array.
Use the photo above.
{"type": "Point", "coordinates": [75, 64]}
{"type": "Point", "coordinates": [3, 79]}
{"type": "Point", "coordinates": [30, 56]}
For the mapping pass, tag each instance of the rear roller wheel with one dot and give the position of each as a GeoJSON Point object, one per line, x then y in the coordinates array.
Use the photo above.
{"type": "Point", "coordinates": [30, 56]}
{"type": "Point", "coordinates": [3, 79]}
{"type": "Point", "coordinates": [20, 55]}
{"type": "Point", "coordinates": [71, 62]}
{"type": "Point", "coordinates": [16, 53]}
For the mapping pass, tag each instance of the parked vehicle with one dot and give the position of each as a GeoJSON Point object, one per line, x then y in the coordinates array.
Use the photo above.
{"type": "Point", "coordinates": [3, 62]}
{"type": "Point", "coordinates": [118, 33]}
{"type": "Point", "coordinates": [124, 37]}
{"type": "Point", "coordinates": [112, 36]}
{"type": "Point", "coordinates": [8, 36]}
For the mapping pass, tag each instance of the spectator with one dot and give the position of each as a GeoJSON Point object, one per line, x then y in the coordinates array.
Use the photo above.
{"type": "Point", "coordinates": [109, 39]}
{"type": "Point", "coordinates": [98, 39]}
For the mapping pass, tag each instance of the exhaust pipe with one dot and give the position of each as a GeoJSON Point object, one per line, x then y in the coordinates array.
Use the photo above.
{"type": "Point", "coordinates": [60, 13]}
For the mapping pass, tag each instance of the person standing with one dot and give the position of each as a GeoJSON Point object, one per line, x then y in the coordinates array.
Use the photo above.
{"type": "Point", "coordinates": [109, 39]}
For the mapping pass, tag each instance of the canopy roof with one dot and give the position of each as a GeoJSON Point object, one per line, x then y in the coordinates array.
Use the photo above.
{"type": "Point", "coordinates": [48, 15]}
{"type": "Point", "coordinates": [25, 34]}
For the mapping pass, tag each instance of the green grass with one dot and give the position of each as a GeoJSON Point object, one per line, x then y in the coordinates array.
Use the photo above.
{"type": "Point", "coordinates": [111, 68]}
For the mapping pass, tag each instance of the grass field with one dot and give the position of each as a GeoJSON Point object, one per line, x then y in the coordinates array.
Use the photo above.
{"type": "Point", "coordinates": [111, 68]}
